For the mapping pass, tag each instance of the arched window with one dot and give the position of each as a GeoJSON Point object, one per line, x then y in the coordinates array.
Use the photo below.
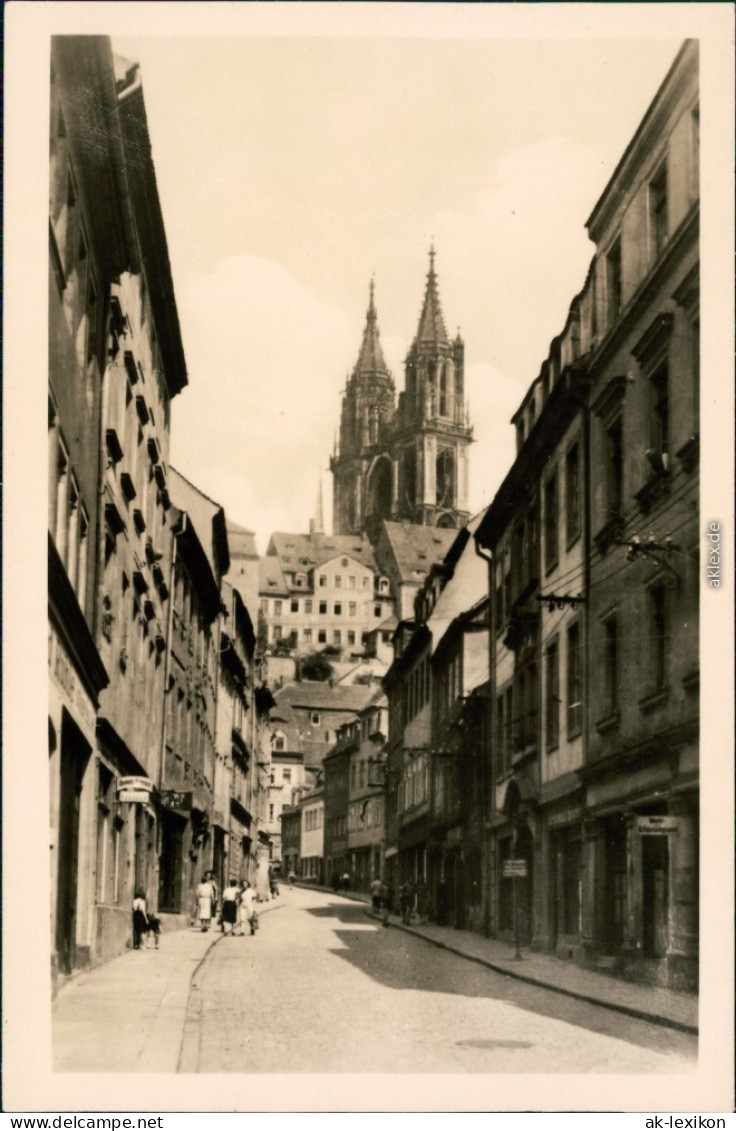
{"type": "Point", "coordinates": [443, 391]}
{"type": "Point", "coordinates": [379, 489]}
{"type": "Point", "coordinates": [445, 477]}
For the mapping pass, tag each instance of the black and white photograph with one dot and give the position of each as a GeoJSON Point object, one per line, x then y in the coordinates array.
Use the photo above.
{"type": "Point", "coordinates": [379, 573]}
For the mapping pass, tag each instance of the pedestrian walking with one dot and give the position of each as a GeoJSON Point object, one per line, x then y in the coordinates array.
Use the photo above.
{"type": "Point", "coordinates": [292, 877]}
{"type": "Point", "coordinates": [346, 881]}
{"type": "Point", "coordinates": [335, 882]}
{"type": "Point", "coordinates": [248, 913]}
{"type": "Point", "coordinates": [140, 919]}
{"type": "Point", "coordinates": [406, 901]}
{"type": "Point", "coordinates": [375, 889]}
{"type": "Point", "coordinates": [386, 897]}
{"type": "Point", "coordinates": [205, 902]}
{"type": "Point", "coordinates": [230, 900]}
{"type": "Point", "coordinates": [210, 876]}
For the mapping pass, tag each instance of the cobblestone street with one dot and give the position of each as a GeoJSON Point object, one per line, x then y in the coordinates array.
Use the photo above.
{"type": "Point", "coordinates": [323, 988]}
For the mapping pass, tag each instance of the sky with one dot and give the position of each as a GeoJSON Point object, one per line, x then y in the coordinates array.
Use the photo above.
{"type": "Point", "coordinates": [292, 170]}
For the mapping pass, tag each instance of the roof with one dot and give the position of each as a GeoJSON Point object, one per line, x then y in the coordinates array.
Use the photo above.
{"type": "Point", "coordinates": [370, 359]}
{"type": "Point", "coordinates": [313, 695]}
{"type": "Point", "coordinates": [431, 321]}
{"type": "Point", "coordinates": [310, 550]}
{"type": "Point", "coordinates": [387, 625]}
{"type": "Point", "coordinates": [242, 542]}
{"type": "Point", "coordinates": [206, 516]}
{"type": "Point", "coordinates": [270, 577]}
{"type": "Point", "coordinates": [417, 548]}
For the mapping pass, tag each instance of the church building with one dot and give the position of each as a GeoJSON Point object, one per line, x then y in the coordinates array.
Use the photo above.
{"type": "Point", "coordinates": [405, 461]}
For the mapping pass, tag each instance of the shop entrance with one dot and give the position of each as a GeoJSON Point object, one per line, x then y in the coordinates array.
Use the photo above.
{"type": "Point", "coordinates": [655, 881]}
{"type": "Point", "coordinates": [75, 752]}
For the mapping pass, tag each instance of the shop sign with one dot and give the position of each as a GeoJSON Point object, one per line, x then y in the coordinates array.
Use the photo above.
{"type": "Point", "coordinates": [565, 816]}
{"type": "Point", "coordinates": [514, 868]}
{"type": "Point", "coordinates": [135, 789]}
{"type": "Point", "coordinates": [657, 826]}
{"type": "Point", "coordinates": [65, 677]}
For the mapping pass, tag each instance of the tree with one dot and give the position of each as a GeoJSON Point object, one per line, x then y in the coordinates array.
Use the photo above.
{"type": "Point", "coordinates": [316, 667]}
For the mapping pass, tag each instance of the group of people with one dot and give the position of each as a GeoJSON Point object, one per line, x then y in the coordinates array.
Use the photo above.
{"type": "Point", "coordinates": [238, 906]}
{"type": "Point", "coordinates": [412, 897]}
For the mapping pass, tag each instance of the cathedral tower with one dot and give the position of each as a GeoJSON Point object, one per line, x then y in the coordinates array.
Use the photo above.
{"type": "Point", "coordinates": [361, 467]}
{"type": "Point", "coordinates": [431, 434]}
{"type": "Point", "coordinates": [408, 465]}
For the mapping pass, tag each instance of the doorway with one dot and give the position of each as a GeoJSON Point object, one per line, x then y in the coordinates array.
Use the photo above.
{"type": "Point", "coordinates": [75, 752]}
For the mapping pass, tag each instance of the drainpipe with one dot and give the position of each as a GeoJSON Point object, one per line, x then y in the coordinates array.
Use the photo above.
{"type": "Point", "coordinates": [490, 716]}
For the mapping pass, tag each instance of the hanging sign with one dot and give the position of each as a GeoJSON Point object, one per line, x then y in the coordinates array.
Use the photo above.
{"type": "Point", "coordinates": [175, 798]}
{"type": "Point", "coordinates": [657, 826]}
{"type": "Point", "coordinates": [514, 868]}
{"type": "Point", "coordinates": [135, 789]}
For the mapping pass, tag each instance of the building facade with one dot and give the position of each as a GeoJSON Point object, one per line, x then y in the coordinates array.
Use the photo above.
{"type": "Point", "coordinates": [594, 538]}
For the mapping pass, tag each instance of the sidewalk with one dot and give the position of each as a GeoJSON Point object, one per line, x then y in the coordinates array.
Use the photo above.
{"type": "Point", "coordinates": [128, 1015]}
{"type": "Point", "coordinates": [672, 1008]}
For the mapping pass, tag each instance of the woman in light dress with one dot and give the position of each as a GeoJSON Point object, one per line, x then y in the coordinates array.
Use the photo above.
{"type": "Point", "coordinates": [248, 912]}
{"type": "Point", "coordinates": [205, 898]}
{"type": "Point", "coordinates": [230, 900]}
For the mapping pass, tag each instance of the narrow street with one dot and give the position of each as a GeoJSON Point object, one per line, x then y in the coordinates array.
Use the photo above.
{"type": "Point", "coordinates": [324, 988]}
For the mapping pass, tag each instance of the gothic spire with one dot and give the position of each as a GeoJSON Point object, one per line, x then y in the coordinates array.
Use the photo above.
{"type": "Point", "coordinates": [431, 321]}
{"type": "Point", "coordinates": [371, 359]}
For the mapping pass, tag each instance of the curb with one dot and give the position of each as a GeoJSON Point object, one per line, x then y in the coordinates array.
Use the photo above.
{"type": "Point", "coordinates": [578, 995]}
{"type": "Point", "coordinates": [189, 1047]}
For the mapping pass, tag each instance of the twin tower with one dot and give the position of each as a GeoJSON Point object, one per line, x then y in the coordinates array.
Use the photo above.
{"type": "Point", "coordinates": [405, 463]}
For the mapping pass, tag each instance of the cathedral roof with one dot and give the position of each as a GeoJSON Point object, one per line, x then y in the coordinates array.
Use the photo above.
{"type": "Point", "coordinates": [431, 321]}
{"type": "Point", "coordinates": [370, 359]}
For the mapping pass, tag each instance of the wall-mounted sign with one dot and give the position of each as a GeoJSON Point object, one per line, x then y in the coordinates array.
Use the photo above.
{"type": "Point", "coordinates": [135, 789]}
{"type": "Point", "coordinates": [514, 868]}
{"type": "Point", "coordinates": [657, 826]}
{"type": "Point", "coordinates": [175, 798]}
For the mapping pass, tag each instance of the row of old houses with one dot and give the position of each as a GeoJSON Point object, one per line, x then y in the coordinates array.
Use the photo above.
{"type": "Point", "coordinates": [534, 760]}
{"type": "Point", "coordinates": [158, 746]}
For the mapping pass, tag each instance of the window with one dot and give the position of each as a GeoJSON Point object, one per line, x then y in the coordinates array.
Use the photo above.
{"type": "Point", "coordinates": [277, 631]}
{"type": "Point", "coordinates": [307, 634]}
{"type": "Point", "coordinates": [657, 638]}
{"type": "Point", "coordinates": [614, 468]}
{"type": "Point", "coordinates": [279, 742]}
{"type": "Point", "coordinates": [552, 714]}
{"type": "Point", "coordinates": [323, 580]}
{"type": "Point", "coordinates": [321, 636]}
{"type": "Point", "coordinates": [314, 718]}
{"type": "Point", "coordinates": [338, 581]}
{"type": "Point", "coordinates": [338, 609]}
{"type": "Point", "coordinates": [351, 637]}
{"type": "Point", "coordinates": [377, 610]}
{"type": "Point", "coordinates": [337, 636]}
{"type": "Point", "coordinates": [659, 418]}
{"type": "Point", "coordinates": [613, 280]}
{"type": "Point", "coordinates": [574, 681]}
{"type": "Point", "coordinates": [323, 608]}
{"type": "Point", "coordinates": [270, 812]}
{"type": "Point", "coordinates": [351, 581]}
{"type": "Point", "coordinates": [551, 520]}
{"type": "Point", "coordinates": [277, 608]}
{"type": "Point", "coordinates": [610, 665]}
{"type": "Point", "coordinates": [294, 605]}
{"type": "Point", "coordinates": [658, 210]}
{"type": "Point", "coordinates": [286, 777]}
{"type": "Point", "coordinates": [264, 605]}
{"type": "Point", "coordinates": [308, 605]}
{"type": "Point", "coordinates": [572, 494]}
{"type": "Point", "coordinates": [352, 608]}
{"type": "Point", "coordinates": [366, 582]}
